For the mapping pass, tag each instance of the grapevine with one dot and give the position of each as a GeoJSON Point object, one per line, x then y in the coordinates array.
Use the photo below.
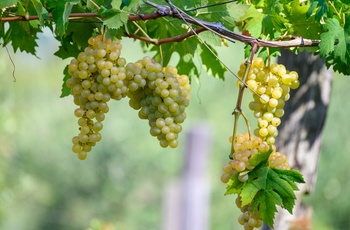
{"type": "Point", "coordinates": [270, 86]}
{"type": "Point", "coordinates": [99, 74]}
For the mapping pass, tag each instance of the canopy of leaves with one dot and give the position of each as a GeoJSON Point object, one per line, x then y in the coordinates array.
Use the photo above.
{"type": "Point", "coordinates": [323, 20]}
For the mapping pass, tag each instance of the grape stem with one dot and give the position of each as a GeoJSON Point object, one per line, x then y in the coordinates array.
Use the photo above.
{"type": "Point", "coordinates": [238, 110]}
{"type": "Point", "coordinates": [161, 41]}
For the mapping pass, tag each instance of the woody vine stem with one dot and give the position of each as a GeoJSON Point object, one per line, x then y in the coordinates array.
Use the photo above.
{"type": "Point", "coordinates": [171, 11]}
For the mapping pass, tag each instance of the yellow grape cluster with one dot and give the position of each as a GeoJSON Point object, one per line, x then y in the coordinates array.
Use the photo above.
{"type": "Point", "coordinates": [99, 74]}
{"type": "Point", "coordinates": [270, 86]}
{"type": "Point", "coordinates": [244, 148]}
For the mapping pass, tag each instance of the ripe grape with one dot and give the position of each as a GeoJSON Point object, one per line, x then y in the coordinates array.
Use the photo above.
{"type": "Point", "coordinates": [271, 86]}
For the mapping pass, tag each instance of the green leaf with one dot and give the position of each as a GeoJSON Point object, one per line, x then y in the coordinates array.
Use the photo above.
{"type": "Point", "coordinates": [234, 185]}
{"type": "Point", "coordinates": [67, 48]}
{"type": "Point", "coordinates": [300, 24]}
{"type": "Point", "coordinates": [250, 191]}
{"type": "Point", "coordinates": [22, 31]}
{"type": "Point", "coordinates": [186, 66]}
{"type": "Point", "coordinates": [322, 9]}
{"type": "Point", "coordinates": [265, 21]}
{"type": "Point", "coordinates": [226, 14]}
{"type": "Point", "coordinates": [65, 91]}
{"type": "Point", "coordinates": [266, 201]}
{"type": "Point", "coordinates": [7, 3]}
{"type": "Point", "coordinates": [267, 187]}
{"type": "Point", "coordinates": [254, 21]}
{"type": "Point", "coordinates": [60, 14]}
{"type": "Point", "coordinates": [41, 11]}
{"type": "Point", "coordinates": [210, 38]}
{"type": "Point", "coordinates": [113, 18]}
{"type": "Point", "coordinates": [210, 63]}
{"type": "Point", "coordinates": [336, 64]}
{"type": "Point", "coordinates": [335, 34]}
{"type": "Point", "coordinates": [260, 157]}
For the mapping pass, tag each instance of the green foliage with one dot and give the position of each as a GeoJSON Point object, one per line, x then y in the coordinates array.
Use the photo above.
{"type": "Point", "coordinates": [335, 44]}
{"type": "Point", "coordinates": [266, 187]}
{"type": "Point", "coordinates": [322, 20]}
{"type": "Point", "coordinates": [65, 90]}
{"type": "Point", "coordinates": [321, 6]}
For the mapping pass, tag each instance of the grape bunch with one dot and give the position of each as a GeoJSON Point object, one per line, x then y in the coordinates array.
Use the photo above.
{"type": "Point", "coordinates": [270, 86]}
{"type": "Point", "coordinates": [245, 147]}
{"type": "Point", "coordinates": [161, 96]}
{"type": "Point", "coordinates": [248, 218]}
{"type": "Point", "coordinates": [99, 74]}
{"type": "Point", "coordinates": [95, 75]}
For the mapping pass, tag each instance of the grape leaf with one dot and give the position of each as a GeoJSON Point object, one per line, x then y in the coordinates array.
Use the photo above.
{"type": "Point", "coordinates": [254, 20]}
{"type": "Point", "coordinates": [234, 185]}
{"type": "Point", "coordinates": [267, 200]}
{"type": "Point", "coordinates": [65, 91]}
{"type": "Point", "coordinates": [186, 66]}
{"type": "Point", "coordinates": [210, 38]}
{"type": "Point", "coordinates": [213, 66]}
{"type": "Point", "coordinates": [41, 11]}
{"type": "Point", "coordinates": [261, 157]}
{"type": "Point", "coordinates": [4, 4]}
{"type": "Point", "coordinates": [22, 31]}
{"type": "Point", "coordinates": [300, 25]}
{"type": "Point", "coordinates": [114, 18]}
{"type": "Point", "coordinates": [226, 14]}
{"type": "Point", "coordinates": [268, 22]}
{"type": "Point", "coordinates": [67, 48]}
{"type": "Point", "coordinates": [337, 64]}
{"type": "Point", "coordinates": [60, 13]}
{"type": "Point", "coordinates": [336, 34]}
{"type": "Point", "coordinates": [322, 9]}
{"type": "Point", "coordinates": [267, 187]}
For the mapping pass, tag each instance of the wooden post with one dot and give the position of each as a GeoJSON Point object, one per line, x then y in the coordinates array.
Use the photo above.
{"type": "Point", "coordinates": [187, 200]}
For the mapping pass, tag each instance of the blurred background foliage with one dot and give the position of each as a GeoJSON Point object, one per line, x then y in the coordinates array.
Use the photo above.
{"type": "Point", "coordinates": [121, 184]}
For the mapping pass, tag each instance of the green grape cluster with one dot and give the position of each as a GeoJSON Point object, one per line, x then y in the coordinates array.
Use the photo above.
{"type": "Point", "coordinates": [161, 96]}
{"type": "Point", "coordinates": [99, 74]}
{"type": "Point", "coordinates": [248, 218]}
{"type": "Point", "coordinates": [95, 75]}
{"type": "Point", "coordinates": [270, 86]}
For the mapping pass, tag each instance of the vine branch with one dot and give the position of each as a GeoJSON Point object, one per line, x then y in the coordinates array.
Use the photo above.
{"type": "Point", "coordinates": [215, 27]}
{"type": "Point", "coordinates": [161, 41]}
